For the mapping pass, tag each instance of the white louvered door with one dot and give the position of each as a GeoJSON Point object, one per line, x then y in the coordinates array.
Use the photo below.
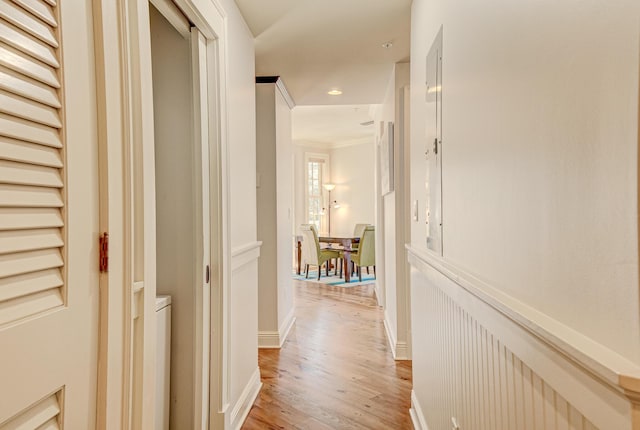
{"type": "Point", "coordinates": [48, 215]}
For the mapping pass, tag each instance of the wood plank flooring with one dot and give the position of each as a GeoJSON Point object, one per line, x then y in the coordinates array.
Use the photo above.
{"type": "Point", "coordinates": [335, 371]}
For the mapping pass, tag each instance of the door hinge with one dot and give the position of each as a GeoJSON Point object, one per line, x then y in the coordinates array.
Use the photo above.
{"type": "Point", "coordinates": [104, 252]}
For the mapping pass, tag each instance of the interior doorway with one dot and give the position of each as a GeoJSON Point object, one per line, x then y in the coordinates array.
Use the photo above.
{"type": "Point", "coordinates": [182, 204]}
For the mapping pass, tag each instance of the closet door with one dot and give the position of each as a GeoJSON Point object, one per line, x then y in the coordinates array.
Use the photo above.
{"type": "Point", "coordinates": [48, 215]}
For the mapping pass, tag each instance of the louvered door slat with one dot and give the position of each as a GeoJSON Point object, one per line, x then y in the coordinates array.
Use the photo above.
{"type": "Point", "coordinates": [51, 2]}
{"type": "Point", "coordinates": [36, 415]}
{"type": "Point", "coordinates": [29, 240]}
{"type": "Point", "coordinates": [27, 262]}
{"type": "Point", "coordinates": [15, 150]}
{"type": "Point", "coordinates": [29, 174]}
{"type": "Point", "coordinates": [39, 9]}
{"type": "Point", "coordinates": [29, 66]}
{"type": "Point", "coordinates": [27, 22]}
{"type": "Point", "coordinates": [31, 197]}
{"type": "Point", "coordinates": [28, 218]}
{"type": "Point", "coordinates": [27, 44]}
{"type": "Point", "coordinates": [24, 285]}
{"type": "Point", "coordinates": [29, 131]}
{"type": "Point", "coordinates": [28, 109]}
{"type": "Point", "coordinates": [52, 424]}
{"type": "Point", "coordinates": [15, 310]}
{"type": "Point", "coordinates": [23, 86]}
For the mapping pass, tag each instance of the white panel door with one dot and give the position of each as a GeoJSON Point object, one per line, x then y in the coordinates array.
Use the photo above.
{"type": "Point", "coordinates": [48, 215]}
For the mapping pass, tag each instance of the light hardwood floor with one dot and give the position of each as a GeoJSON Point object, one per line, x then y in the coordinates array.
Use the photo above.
{"type": "Point", "coordinates": [335, 371]}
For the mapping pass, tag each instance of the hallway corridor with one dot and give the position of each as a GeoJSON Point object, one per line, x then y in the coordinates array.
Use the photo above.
{"type": "Point", "coordinates": [335, 371]}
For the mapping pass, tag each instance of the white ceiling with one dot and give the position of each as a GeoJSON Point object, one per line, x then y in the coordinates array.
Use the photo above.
{"type": "Point", "coordinates": [319, 45]}
{"type": "Point", "coordinates": [331, 126]}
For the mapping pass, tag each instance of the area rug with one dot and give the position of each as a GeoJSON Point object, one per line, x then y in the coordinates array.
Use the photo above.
{"type": "Point", "coordinates": [336, 281]}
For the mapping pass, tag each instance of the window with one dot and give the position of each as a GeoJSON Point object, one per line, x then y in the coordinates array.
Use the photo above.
{"type": "Point", "coordinates": [316, 169]}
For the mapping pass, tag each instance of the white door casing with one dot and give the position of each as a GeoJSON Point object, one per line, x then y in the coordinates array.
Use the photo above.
{"type": "Point", "coordinates": [48, 215]}
{"type": "Point", "coordinates": [141, 288]}
{"type": "Point", "coordinates": [209, 18]}
{"type": "Point", "coordinates": [210, 390]}
{"type": "Point", "coordinates": [182, 207]}
{"type": "Point", "coordinates": [203, 261]}
{"type": "Point", "coordinates": [126, 132]}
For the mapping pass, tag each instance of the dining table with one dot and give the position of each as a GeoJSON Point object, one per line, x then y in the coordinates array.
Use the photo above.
{"type": "Point", "coordinates": [344, 244]}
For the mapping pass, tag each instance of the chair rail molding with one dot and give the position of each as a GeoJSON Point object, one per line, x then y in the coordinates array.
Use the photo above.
{"type": "Point", "coordinates": [245, 254]}
{"type": "Point", "coordinates": [588, 377]}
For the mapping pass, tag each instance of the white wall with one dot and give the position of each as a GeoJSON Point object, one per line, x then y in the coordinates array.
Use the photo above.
{"type": "Point", "coordinates": [353, 172]}
{"type": "Point", "coordinates": [266, 198]}
{"type": "Point", "coordinates": [241, 131]}
{"type": "Point", "coordinates": [352, 169]}
{"type": "Point", "coordinates": [284, 214]}
{"type": "Point", "coordinates": [275, 206]}
{"type": "Point", "coordinates": [540, 138]}
{"type": "Point", "coordinates": [390, 234]}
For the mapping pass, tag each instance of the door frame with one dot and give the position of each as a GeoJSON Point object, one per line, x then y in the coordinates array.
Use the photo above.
{"type": "Point", "coordinates": [126, 373]}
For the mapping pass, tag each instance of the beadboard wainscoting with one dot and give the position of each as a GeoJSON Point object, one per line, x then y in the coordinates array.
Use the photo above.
{"type": "Point", "coordinates": [482, 360]}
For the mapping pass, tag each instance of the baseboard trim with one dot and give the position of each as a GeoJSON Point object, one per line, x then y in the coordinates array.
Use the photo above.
{"type": "Point", "coordinates": [402, 351]}
{"type": "Point", "coordinates": [241, 410]}
{"type": "Point", "coordinates": [390, 336]}
{"type": "Point", "coordinates": [268, 339]}
{"type": "Point", "coordinates": [376, 289]}
{"type": "Point", "coordinates": [417, 417]}
{"type": "Point", "coordinates": [286, 326]}
{"type": "Point", "coordinates": [275, 339]}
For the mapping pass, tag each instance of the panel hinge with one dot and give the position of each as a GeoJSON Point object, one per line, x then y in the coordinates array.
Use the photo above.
{"type": "Point", "coordinates": [104, 252]}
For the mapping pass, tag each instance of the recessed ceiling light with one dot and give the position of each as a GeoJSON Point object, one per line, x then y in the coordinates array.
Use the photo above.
{"type": "Point", "coordinates": [387, 45]}
{"type": "Point", "coordinates": [334, 92]}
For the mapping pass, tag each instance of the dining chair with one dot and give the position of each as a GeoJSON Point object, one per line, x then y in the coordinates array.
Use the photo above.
{"type": "Point", "coordinates": [311, 252]}
{"type": "Point", "coordinates": [365, 256]}
{"type": "Point", "coordinates": [357, 232]}
{"type": "Point", "coordinates": [328, 247]}
{"type": "Point", "coordinates": [358, 229]}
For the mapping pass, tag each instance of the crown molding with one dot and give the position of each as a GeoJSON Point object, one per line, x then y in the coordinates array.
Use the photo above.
{"type": "Point", "coordinates": [277, 80]}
